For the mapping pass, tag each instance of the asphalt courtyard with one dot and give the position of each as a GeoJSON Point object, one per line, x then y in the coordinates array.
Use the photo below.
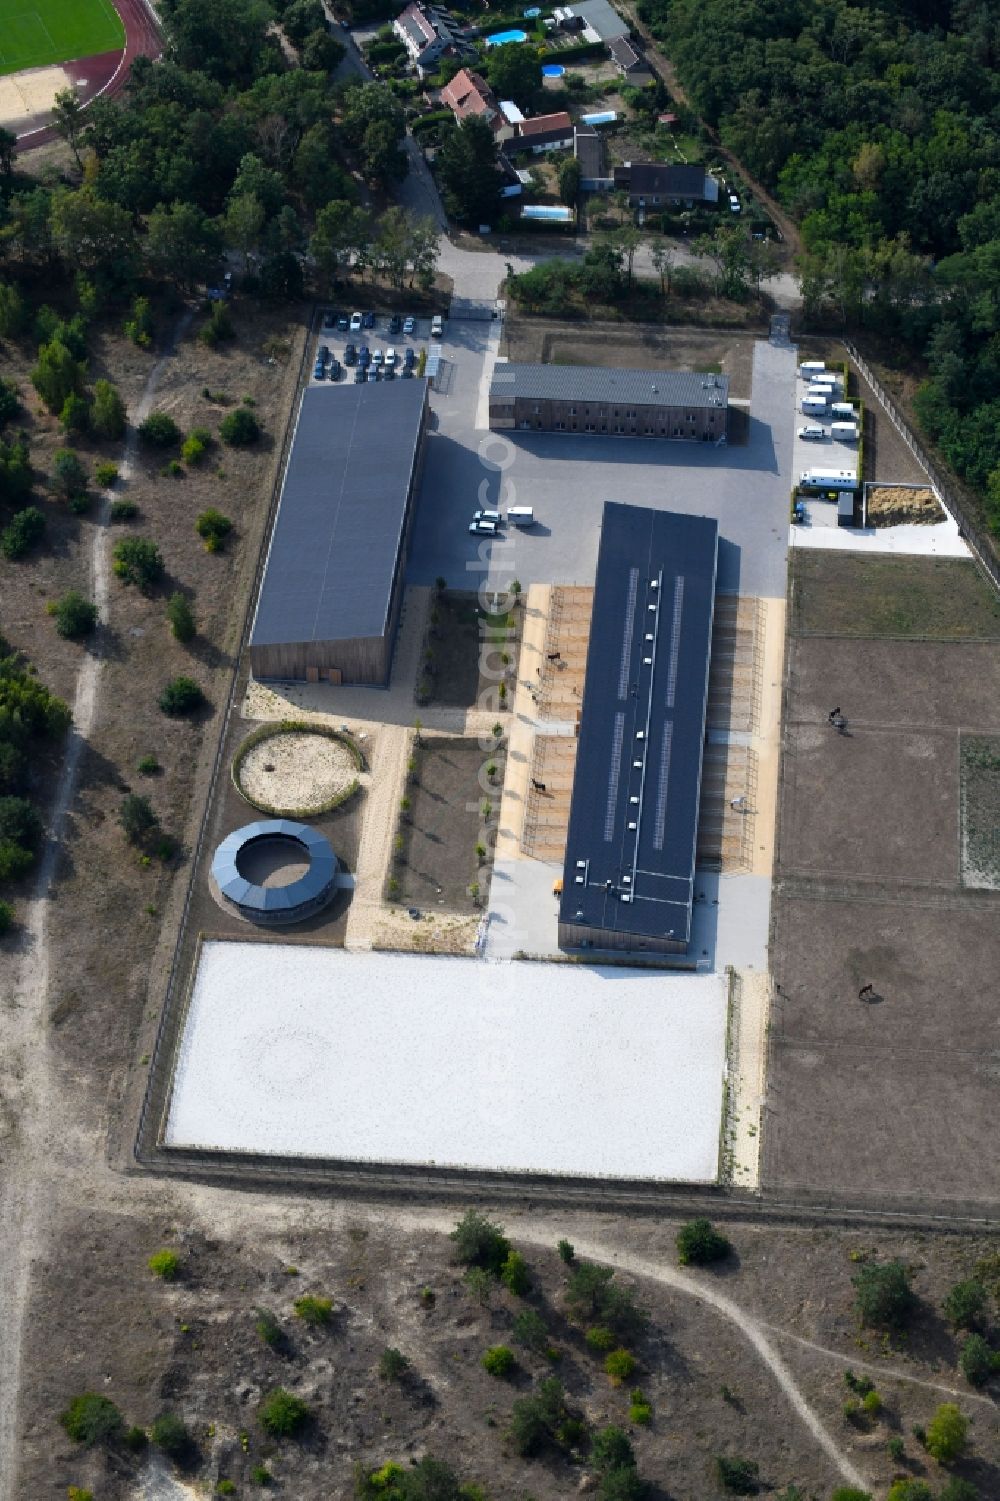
{"type": "Point", "coordinates": [566, 479]}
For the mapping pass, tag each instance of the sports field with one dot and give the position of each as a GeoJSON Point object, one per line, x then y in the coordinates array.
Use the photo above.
{"type": "Point", "coordinates": [56, 31]}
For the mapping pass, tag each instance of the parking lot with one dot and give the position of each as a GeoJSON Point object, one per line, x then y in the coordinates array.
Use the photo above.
{"type": "Point", "coordinates": [339, 346]}
{"type": "Point", "coordinates": [815, 447]}
{"type": "Point", "coordinates": [566, 478]}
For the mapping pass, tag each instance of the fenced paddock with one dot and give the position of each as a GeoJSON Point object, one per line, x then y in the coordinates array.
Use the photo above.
{"type": "Point", "coordinates": [305, 1052]}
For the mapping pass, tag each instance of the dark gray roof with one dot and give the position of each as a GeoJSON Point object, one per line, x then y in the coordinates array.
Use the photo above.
{"type": "Point", "coordinates": [603, 17]}
{"type": "Point", "coordinates": [633, 826]}
{"type": "Point", "coordinates": [683, 388]}
{"type": "Point", "coordinates": [274, 900]}
{"type": "Point", "coordinates": [588, 148]}
{"type": "Point", "coordinates": [667, 179]}
{"type": "Point", "coordinates": [625, 53]}
{"type": "Point", "coordinates": [339, 528]}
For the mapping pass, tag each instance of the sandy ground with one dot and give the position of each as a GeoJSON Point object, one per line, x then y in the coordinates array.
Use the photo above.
{"type": "Point", "coordinates": [31, 93]}
{"type": "Point", "coordinates": [297, 771]}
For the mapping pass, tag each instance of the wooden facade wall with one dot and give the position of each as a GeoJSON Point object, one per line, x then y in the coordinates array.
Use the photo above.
{"type": "Point", "coordinates": [701, 424]}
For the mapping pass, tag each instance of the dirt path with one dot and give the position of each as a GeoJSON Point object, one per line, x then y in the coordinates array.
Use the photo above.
{"type": "Point", "coordinates": [29, 1118]}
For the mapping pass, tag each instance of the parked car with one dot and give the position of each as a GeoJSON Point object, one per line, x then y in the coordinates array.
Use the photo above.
{"type": "Point", "coordinates": [813, 433]}
{"type": "Point", "coordinates": [373, 374]}
{"type": "Point", "coordinates": [388, 373]}
{"type": "Point", "coordinates": [484, 528]}
{"type": "Point", "coordinates": [335, 370]}
{"type": "Point", "coordinates": [368, 321]}
{"type": "Point", "coordinates": [319, 371]}
{"type": "Point", "coordinates": [409, 357]}
{"type": "Point", "coordinates": [390, 358]}
{"type": "Point", "coordinates": [355, 322]}
{"type": "Point", "coordinates": [407, 372]}
{"type": "Point", "coordinates": [437, 326]}
{"type": "Point", "coordinates": [376, 357]}
{"type": "Point", "coordinates": [329, 319]}
{"type": "Point", "coordinates": [350, 355]}
{"type": "Point", "coordinates": [342, 322]}
{"type": "Point", "coordinates": [493, 516]}
{"type": "Point", "coordinates": [395, 323]}
{"type": "Point", "coordinates": [409, 325]}
{"type": "Point", "coordinates": [364, 355]}
{"type": "Point", "coordinates": [323, 354]}
{"type": "Point", "coordinates": [359, 376]}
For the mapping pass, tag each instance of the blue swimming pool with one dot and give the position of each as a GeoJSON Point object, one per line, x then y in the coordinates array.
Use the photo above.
{"type": "Point", "coordinates": [547, 211]}
{"type": "Point", "coordinates": [552, 70]}
{"type": "Point", "coordinates": [503, 37]}
{"type": "Point", "coordinates": [533, 13]}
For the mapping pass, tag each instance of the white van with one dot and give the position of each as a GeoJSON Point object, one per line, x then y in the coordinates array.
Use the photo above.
{"type": "Point", "coordinates": [814, 406]}
{"type": "Point", "coordinates": [521, 516]}
{"type": "Point", "coordinates": [811, 368]}
{"type": "Point", "coordinates": [842, 411]}
{"type": "Point", "coordinates": [845, 432]}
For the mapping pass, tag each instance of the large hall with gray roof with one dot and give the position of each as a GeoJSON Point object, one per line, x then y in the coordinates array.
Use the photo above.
{"type": "Point", "coordinates": [682, 405]}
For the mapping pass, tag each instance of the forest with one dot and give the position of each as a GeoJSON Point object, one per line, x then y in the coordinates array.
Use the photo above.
{"type": "Point", "coordinates": [878, 127]}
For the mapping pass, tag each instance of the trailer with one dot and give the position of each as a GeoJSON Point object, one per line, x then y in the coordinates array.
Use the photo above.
{"type": "Point", "coordinates": [809, 369]}
{"type": "Point", "coordinates": [829, 479]}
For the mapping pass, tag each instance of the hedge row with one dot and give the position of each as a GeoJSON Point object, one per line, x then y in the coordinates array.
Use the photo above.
{"type": "Point", "coordinates": [296, 726]}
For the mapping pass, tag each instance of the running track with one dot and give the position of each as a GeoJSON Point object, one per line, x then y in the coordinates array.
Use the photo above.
{"type": "Point", "coordinates": [106, 75]}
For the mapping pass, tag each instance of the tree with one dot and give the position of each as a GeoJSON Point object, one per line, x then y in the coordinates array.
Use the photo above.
{"type": "Point", "coordinates": [699, 1244]}
{"type": "Point", "coordinates": [282, 1414]}
{"type": "Point", "coordinates": [170, 1433]}
{"type": "Point", "coordinates": [741, 1476]}
{"type": "Point", "coordinates": [20, 822]}
{"type": "Point", "coordinates": [467, 171]}
{"type": "Point", "coordinates": [623, 1483]}
{"type": "Point", "coordinates": [611, 1449]}
{"type": "Point", "coordinates": [181, 244]}
{"type": "Point", "coordinates": [75, 416]}
{"type": "Point", "coordinates": [958, 1489]}
{"type": "Point", "coordinates": [213, 528]}
{"type": "Point", "coordinates": [8, 151]}
{"type": "Point", "coordinates": [977, 1361]}
{"type": "Point", "coordinates": [302, 17]}
{"type": "Point", "coordinates": [910, 1490]}
{"type": "Point", "coordinates": [255, 179]}
{"type": "Point", "coordinates": [569, 181]}
{"type": "Point", "coordinates": [74, 616]}
{"type": "Point", "coordinates": [499, 1361]}
{"type": "Point", "coordinates": [69, 477]}
{"type": "Point", "coordinates": [515, 73]}
{"type": "Point", "coordinates": [137, 561]}
{"type": "Point", "coordinates": [478, 1243]}
{"type": "Point", "coordinates": [10, 401]}
{"type": "Point", "coordinates": [182, 695]}
{"type": "Point", "coordinates": [946, 1433]}
{"type": "Point", "coordinates": [662, 256]}
{"type": "Point", "coordinates": [965, 1304]}
{"type": "Point", "coordinates": [530, 1330]}
{"type": "Point", "coordinates": [181, 617]}
{"type": "Point", "coordinates": [842, 1493]}
{"type": "Point", "coordinates": [68, 122]}
{"type": "Point", "coordinates": [159, 430]}
{"type": "Point", "coordinates": [56, 375]}
{"type": "Point", "coordinates": [884, 1297]}
{"type": "Point", "coordinates": [239, 428]}
{"type": "Point", "coordinates": [13, 311]}
{"type": "Point", "coordinates": [514, 1274]}
{"type": "Point", "coordinates": [25, 531]}
{"type": "Point", "coordinates": [137, 818]}
{"type": "Point", "coordinates": [107, 414]}
{"type": "Point", "coordinates": [92, 1419]}
{"type": "Point", "coordinates": [320, 52]}
{"type": "Point", "coordinates": [342, 231]}
{"type": "Point", "coordinates": [242, 225]}
{"type": "Point", "coordinates": [227, 39]}
{"type": "Point", "coordinates": [392, 1364]}
{"type": "Point", "coordinates": [93, 234]}
{"type": "Point", "coordinates": [382, 158]}
{"type": "Point", "coordinates": [536, 1420]}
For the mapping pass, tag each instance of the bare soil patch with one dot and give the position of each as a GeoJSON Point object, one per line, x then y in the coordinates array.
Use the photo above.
{"type": "Point", "coordinates": [895, 505]}
{"type": "Point", "coordinates": [843, 594]}
{"type": "Point", "coordinates": [436, 849]}
{"type": "Point", "coordinates": [980, 774]}
{"type": "Point", "coordinates": [464, 652]}
{"type": "Point", "coordinates": [297, 770]}
{"type": "Point", "coordinates": [641, 346]}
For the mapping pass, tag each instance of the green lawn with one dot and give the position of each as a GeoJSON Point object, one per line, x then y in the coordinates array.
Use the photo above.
{"type": "Point", "coordinates": [56, 31]}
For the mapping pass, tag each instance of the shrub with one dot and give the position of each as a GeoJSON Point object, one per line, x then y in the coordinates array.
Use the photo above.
{"type": "Point", "coordinates": [10, 401]}
{"type": "Point", "coordinates": [6, 918]}
{"type": "Point", "coordinates": [148, 765]}
{"type": "Point", "coordinates": [622, 1484]}
{"type": "Point", "coordinates": [640, 1410]}
{"type": "Point", "coordinates": [600, 1339]}
{"type": "Point", "coordinates": [107, 415]}
{"type": "Point", "coordinates": [124, 510]}
{"type": "Point", "coordinates": [165, 1264]}
{"type": "Point", "coordinates": [499, 1361]}
{"type": "Point", "coordinates": [74, 616]}
{"type": "Point", "coordinates": [959, 1490]}
{"type": "Point", "coordinates": [884, 1297]}
{"type": "Point", "coordinates": [57, 375]}
{"type": "Point", "coordinates": [392, 1364]}
{"type": "Point", "coordinates": [140, 327]}
{"type": "Point", "coordinates": [218, 327]}
{"type": "Point", "coordinates": [965, 1304]}
{"type": "Point", "coordinates": [137, 818]}
{"type": "Point", "coordinates": [619, 1365]}
{"type": "Point", "coordinates": [282, 1414]}
{"type": "Point", "coordinates": [849, 1493]}
{"type": "Point", "coordinates": [268, 1329]}
{"type": "Point", "coordinates": [80, 504]}
{"type": "Point", "coordinates": [24, 532]}
{"type": "Point", "coordinates": [260, 1475]}
{"type": "Point", "coordinates": [514, 1274]}
{"type": "Point", "coordinates": [564, 1247]}
{"type": "Point", "coordinates": [213, 528]}
{"type": "Point", "coordinates": [225, 1488]}
{"type": "Point", "coordinates": [539, 1419]}
{"type": "Point", "coordinates": [92, 1419]}
{"type": "Point", "coordinates": [910, 1490]}
{"type": "Point", "coordinates": [170, 1433]}
{"type": "Point", "coordinates": [135, 1439]}
{"type": "Point", "coordinates": [181, 696]}
{"type": "Point", "coordinates": [159, 431]}
{"type": "Point", "coordinates": [180, 617]}
{"type": "Point", "coordinates": [896, 1449]}
{"type": "Point", "coordinates": [75, 415]}
{"type": "Point", "coordinates": [137, 561]}
{"type": "Point", "coordinates": [76, 1493]}
{"type": "Point", "coordinates": [593, 1295]}
{"type": "Point", "coordinates": [20, 821]}
{"type": "Point", "coordinates": [741, 1476]}
{"type": "Point", "coordinates": [977, 1361]}
{"type": "Point", "coordinates": [478, 1243]}
{"type": "Point", "coordinates": [699, 1244]}
{"type": "Point", "coordinates": [316, 1312]}
{"type": "Point", "coordinates": [871, 1402]}
{"type": "Point", "coordinates": [196, 445]}
{"type": "Point", "coordinates": [612, 1449]}
{"type": "Point", "coordinates": [239, 428]}
{"type": "Point", "coordinates": [946, 1433]}
{"type": "Point", "coordinates": [106, 474]}
{"type": "Point", "coordinates": [69, 477]}
{"type": "Point", "coordinates": [15, 860]}
{"type": "Point", "coordinates": [531, 1331]}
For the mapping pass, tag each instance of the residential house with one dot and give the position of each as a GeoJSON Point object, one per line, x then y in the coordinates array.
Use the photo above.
{"type": "Point", "coordinates": [595, 19]}
{"type": "Point", "coordinates": [543, 133]}
{"type": "Point", "coordinates": [630, 62]}
{"type": "Point", "coordinates": [428, 34]}
{"type": "Point", "coordinates": [588, 148]}
{"type": "Point", "coordinates": [649, 184]}
{"type": "Point", "coordinates": [469, 96]}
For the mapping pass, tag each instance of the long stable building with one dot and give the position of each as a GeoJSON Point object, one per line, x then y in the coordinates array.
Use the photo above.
{"type": "Point", "coordinates": [333, 584]}
{"type": "Point", "coordinates": [679, 404]}
{"type": "Point", "coordinates": [628, 881]}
